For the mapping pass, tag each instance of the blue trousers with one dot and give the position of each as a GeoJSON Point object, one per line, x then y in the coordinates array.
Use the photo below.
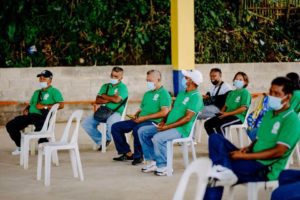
{"type": "Point", "coordinates": [246, 170]}
{"type": "Point", "coordinates": [289, 184]}
{"type": "Point", "coordinates": [118, 131]}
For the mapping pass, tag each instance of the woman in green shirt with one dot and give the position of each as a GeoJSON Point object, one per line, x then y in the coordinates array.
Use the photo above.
{"type": "Point", "coordinates": [235, 108]}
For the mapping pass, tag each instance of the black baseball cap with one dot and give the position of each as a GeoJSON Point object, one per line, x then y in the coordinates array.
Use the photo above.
{"type": "Point", "coordinates": [46, 74]}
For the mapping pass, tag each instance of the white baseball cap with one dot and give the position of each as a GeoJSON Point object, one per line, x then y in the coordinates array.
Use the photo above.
{"type": "Point", "coordinates": [195, 75]}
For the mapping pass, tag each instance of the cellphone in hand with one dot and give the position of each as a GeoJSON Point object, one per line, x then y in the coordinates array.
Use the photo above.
{"type": "Point", "coordinates": [130, 116]}
{"type": "Point", "coordinates": [154, 124]}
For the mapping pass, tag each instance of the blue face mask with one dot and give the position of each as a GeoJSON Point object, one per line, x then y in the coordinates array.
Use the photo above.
{"type": "Point", "coordinates": [238, 84]}
{"type": "Point", "coordinates": [113, 81]}
{"type": "Point", "coordinates": [274, 103]}
{"type": "Point", "coordinates": [183, 83]}
{"type": "Point", "coordinates": [150, 85]}
{"type": "Point", "coordinates": [43, 84]}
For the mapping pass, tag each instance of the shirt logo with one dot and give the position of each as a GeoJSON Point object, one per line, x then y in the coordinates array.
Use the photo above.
{"type": "Point", "coordinates": [275, 128]}
{"type": "Point", "coordinates": [155, 97]}
{"type": "Point", "coordinates": [186, 99]}
{"type": "Point", "coordinates": [46, 96]}
{"type": "Point", "coordinates": [116, 91]}
{"type": "Point", "coordinates": [237, 99]}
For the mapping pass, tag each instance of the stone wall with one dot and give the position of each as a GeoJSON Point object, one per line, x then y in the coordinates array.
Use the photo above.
{"type": "Point", "coordinates": [83, 83]}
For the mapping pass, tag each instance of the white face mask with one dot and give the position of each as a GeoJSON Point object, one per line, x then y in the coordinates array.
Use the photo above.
{"type": "Point", "coordinates": [43, 84]}
{"type": "Point", "coordinates": [238, 84]}
{"type": "Point", "coordinates": [150, 85]}
{"type": "Point", "coordinates": [275, 102]}
{"type": "Point", "coordinates": [113, 81]}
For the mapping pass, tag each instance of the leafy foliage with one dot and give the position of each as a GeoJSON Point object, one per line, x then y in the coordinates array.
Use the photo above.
{"type": "Point", "coordinates": [114, 32]}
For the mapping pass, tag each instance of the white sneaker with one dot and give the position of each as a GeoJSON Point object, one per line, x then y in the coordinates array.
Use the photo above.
{"type": "Point", "coordinates": [222, 176]}
{"type": "Point", "coordinates": [16, 152]}
{"type": "Point", "coordinates": [151, 167]}
{"type": "Point", "coordinates": [161, 171]}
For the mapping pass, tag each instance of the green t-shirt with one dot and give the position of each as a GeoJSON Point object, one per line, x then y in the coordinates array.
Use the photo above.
{"type": "Point", "coordinates": [236, 99]}
{"type": "Point", "coordinates": [191, 101]}
{"type": "Point", "coordinates": [153, 101]}
{"type": "Point", "coordinates": [295, 101]}
{"type": "Point", "coordinates": [48, 96]}
{"type": "Point", "coordinates": [120, 88]}
{"type": "Point", "coordinates": [283, 128]}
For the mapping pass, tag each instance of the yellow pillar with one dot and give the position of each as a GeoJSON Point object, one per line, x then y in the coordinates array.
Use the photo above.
{"type": "Point", "coordinates": [182, 34]}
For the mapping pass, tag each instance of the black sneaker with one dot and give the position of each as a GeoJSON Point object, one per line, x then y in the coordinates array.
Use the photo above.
{"type": "Point", "coordinates": [106, 144]}
{"type": "Point", "coordinates": [43, 140]}
{"type": "Point", "coordinates": [137, 161]}
{"type": "Point", "coordinates": [123, 157]}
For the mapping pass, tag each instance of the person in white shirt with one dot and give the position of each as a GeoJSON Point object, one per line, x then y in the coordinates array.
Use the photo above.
{"type": "Point", "coordinates": [215, 98]}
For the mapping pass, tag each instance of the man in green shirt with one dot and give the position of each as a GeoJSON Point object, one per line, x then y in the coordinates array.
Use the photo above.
{"type": "Point", "coordinates": [267, 156]}
{"type": "Point", "coordinates": [113, 95]}
{"type": "Point", "coordinates": [40, 103]}
{"type": "Point", "coordinates": [178, 124]}
{"type": "Point", "coordinates": [154, 107]}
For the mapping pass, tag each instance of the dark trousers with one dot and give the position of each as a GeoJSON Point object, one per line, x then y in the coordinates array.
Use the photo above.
{"type": "Point", "coordinates": [217, 125]}
{"type": "Point", "coordinates": [245, 170]}
{"type": "Point", "coordinates": [289, 184]}
{"type": "Point", "coordinates": [118, 131]}
{"type": "Point", "coordinates": [17, 124]}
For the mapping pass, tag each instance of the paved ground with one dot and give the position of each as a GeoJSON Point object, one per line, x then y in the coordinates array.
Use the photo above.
{"type": "Point", "coordinates": [104, 178]}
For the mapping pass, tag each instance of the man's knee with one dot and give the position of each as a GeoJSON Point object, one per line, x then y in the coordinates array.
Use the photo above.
{"type": "Point", "coordinates": [215, 139]}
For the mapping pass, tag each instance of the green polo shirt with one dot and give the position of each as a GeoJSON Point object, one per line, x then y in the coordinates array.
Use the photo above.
{"type": "Point", "coordinates": [119, 88]}
{"type": "Point", "coordinates": [49, 96]}
{"type": "Point", "coordinates": [283, 128]}
{"type": "Point", "coordinates": [191, 101]}
{"type": "Point", "coordinates": [153, 101]}
{"type": "Point", "coordinates": [295, 101]}
{"type": "Point", "coordinates": [236, 99]}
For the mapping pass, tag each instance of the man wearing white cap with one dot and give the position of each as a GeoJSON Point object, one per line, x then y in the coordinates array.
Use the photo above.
{"type": "Point", "coordinates": [178, 124]}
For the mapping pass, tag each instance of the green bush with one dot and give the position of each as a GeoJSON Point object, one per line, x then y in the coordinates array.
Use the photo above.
{"type": "Point", "coordinates": [114, 32]}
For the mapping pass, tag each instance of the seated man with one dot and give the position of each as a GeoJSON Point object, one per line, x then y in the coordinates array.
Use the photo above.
{"type": "Point", "coordinates": [295, 101]}
{"type": "Point", "coordinates": [289, 184]}
{"type": "Point", "coordinates": [113, 95]}
{"type": "Point", "coordinates": [178, 124]}
{"type": "Point", "coordinates": [214, 100]}
{"type": "Point", "coordinates": [36, 113]}
{"type": "Point", "coordinates": [266, 157]}
{"type": "Point", "coordinates": [155, 105]}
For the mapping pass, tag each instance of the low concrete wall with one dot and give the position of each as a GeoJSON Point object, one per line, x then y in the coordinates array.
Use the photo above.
{"type": "Point", "coordinates": [83, 83]}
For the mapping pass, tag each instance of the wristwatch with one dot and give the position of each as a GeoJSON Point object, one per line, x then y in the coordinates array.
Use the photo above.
{"type": "Point", "coordinates": [46, 107]}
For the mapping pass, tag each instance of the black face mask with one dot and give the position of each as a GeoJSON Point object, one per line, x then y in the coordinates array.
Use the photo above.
{"type": "Point", "coordinates": [215, 82]}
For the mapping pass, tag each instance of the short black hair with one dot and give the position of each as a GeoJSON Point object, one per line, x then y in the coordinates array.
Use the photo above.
{"type": "Point", "coordinates": [285, 82]}
{"type": "Point", "coordinates": [117, 69]}
{"type": "Point", "coordinates": [294, 77]}
{"type": "Point", "coordinates": [216, 70]}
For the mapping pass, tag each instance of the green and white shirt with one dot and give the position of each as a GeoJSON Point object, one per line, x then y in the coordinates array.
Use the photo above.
{"type": "Point", "coordinates": [236, 99]}
{"type": "Point", "coordinates": [295, 101]}
{"type": "Point", "coordinates": [191, 101]}
{"type": "Point", "coordinates": [119, 88]}
{"type": "Point", "coordinates": [284, 129]}
{"type": "Point", "coordinates": [153, 101]}
{"type": "Point", "coordinates": [49, 96]}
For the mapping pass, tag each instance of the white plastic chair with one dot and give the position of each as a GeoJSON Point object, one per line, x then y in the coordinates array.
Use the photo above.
{"type": "Point", "coordinates": [239, 129]}
{"type": "Point", "coordinates": [185, 142]}
{"type": "Point", "coordinates": [102, 128]}
{"type": "Point", "coordinates": [47, 131]}
{"type": "Point", "coordinates": [201, 167]}
{"type": "Point", "coordinates": [199, 128]}
{"type": "Point", "coordinates": [67, 142]}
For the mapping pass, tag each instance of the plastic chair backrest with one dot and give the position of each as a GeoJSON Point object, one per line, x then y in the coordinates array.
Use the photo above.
{"type": "Point", "coordinates": [76, 115]}
{"type": "Point", "coordinates": [191, 135]}
{"type": "Point", "coordinates": [124, 111]}
{"type": "Point", "coordinates": [49, 123]}
{"type": "Point", "coordinates": [201, 167]}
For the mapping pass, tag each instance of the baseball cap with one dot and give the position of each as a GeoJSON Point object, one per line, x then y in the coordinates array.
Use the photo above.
{"type": "Point", "coordinates": [195, 75]}
{"type": "Point", "coordinates": [46, 74]}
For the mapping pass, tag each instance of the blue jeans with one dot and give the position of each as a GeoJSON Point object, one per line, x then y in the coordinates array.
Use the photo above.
{"type": "Point", "coordinates": [154, 143]}
{"type": "Point", "coordinates": [119, 130]}
{"type": "Point", "coordinates": [246, 170]}
{"type": "Point", "coordinates": [289, 184]}
{"type": "Point", "coordinates": [90, 125]}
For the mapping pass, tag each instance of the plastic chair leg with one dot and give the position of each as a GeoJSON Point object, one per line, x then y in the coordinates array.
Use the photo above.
{"type": "Point", "coordinates": [73, 162]}
{"type": "Point", "coordinates": [252, 191]}
{"type": "Point", "coordinates": [47, 166]}
{"type": "Point", "coordinates": [185, 153]}
{"type": "Point", "coordinates": [103, 139]}
{"type": "Point", "coordinates": [26, 153]}
{"type": "Point", "coordinates": [79, 165]}
{"type": "Point", "coordinates": [193, 151]}
{"type": "Point", "coordinates": [169, 158]}
{"type": "Point", "coordinates": [39, 164]}
{"type": "Point", "coordinates": [22, 151]}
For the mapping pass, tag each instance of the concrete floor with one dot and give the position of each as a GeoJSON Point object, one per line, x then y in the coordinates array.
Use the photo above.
{"type": "Point", "coordinates": [104, 178]}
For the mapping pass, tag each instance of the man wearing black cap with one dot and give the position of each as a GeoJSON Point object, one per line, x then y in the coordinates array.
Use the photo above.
{"type": "Point", "coordinates": [35, 113]}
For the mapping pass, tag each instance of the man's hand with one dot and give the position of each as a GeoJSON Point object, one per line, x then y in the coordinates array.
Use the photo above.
{"type": "Point", "coordinates": [223, 114]}
{"type": "Point", "coordinates": [139, 119]}
{"type": "Point", "coordinates": [239, 154]}
{"type": "Point", "coordinates": [25, 111]}
{"type": "Point", "coordinates": [162, 127]}
{"type": "Point", "coordinates": [40, 106]}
